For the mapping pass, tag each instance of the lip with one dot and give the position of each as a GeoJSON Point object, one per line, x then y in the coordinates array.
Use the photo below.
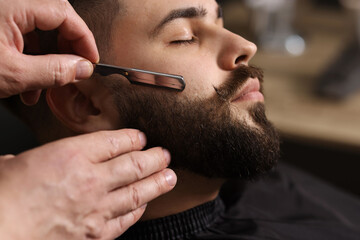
{"type": "Point", "coordinates": [249, 92]}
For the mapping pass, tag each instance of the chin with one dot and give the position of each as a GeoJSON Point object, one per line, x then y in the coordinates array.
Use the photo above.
{"type": "Point", "coordinates": [245, 115]}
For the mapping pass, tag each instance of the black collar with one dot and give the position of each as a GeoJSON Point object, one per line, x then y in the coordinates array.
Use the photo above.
{"type": "Point", "coordinates": [178, 226]}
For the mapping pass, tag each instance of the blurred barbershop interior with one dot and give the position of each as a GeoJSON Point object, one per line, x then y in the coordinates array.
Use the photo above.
{"type": "Point", "coordinates": [310, 53]}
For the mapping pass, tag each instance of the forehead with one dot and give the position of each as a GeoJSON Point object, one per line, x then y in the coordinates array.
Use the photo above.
{"type": "Point", "coordinates": [131, 30]}
{"type": "Point", "coordinates": [152, 10]}
{"type": "Point", "coordinates": [163, 4]}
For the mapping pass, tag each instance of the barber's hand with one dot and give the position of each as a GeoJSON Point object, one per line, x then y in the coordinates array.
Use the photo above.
{"type": "Point", "coordinates": [89, 187]}
{"type": "Point", "coordinates": [26, 74]}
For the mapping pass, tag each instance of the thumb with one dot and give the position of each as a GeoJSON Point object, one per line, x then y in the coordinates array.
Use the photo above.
{"type": "Point", "coordinates": [46, 71]}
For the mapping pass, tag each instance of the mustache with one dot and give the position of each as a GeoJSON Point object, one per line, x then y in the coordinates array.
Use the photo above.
{"type": "Point", "coordinates": [237, 79]}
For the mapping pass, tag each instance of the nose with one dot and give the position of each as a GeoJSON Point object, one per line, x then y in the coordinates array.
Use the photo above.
{"type": "Point", "coordinates": [235, 51]}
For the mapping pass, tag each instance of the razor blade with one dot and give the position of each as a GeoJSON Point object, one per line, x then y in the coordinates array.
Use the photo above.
{"type": "Point", "coordinates": [143, 77]}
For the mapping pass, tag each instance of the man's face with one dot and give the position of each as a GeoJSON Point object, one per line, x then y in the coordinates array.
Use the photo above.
{"type": "Point", "coordinates": [198, 48]}
{"type": "Point", "coordinates": [215, 127]}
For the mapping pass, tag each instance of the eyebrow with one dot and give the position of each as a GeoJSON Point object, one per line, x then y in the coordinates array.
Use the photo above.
{"type": "Point", "coordinates": [192, 12]}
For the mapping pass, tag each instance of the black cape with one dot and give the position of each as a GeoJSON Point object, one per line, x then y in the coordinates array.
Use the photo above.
{"type": "Point", "coordinates": [287, 204]}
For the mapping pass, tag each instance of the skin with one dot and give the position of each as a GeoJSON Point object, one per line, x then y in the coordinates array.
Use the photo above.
{"type": "Point", "coordinates": [86, 187]}
{"type": "Point", "coordinates": [205, 63]}
{"type": "Point", "coordinates": [94, 190]}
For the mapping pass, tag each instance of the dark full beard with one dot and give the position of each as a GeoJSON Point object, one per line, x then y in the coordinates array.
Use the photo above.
{"type": "Point", "coordinates": [202, 135]}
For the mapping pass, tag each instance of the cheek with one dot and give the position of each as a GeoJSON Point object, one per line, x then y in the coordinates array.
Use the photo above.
{"type": "Point", "coordinates": [199, 69]}
{"type": "Point", "coordinates": [202, 79]}
{"type": "Point", "coordinates": [200, 75]}
{"type": "Point", "coordinates": [199, 82]}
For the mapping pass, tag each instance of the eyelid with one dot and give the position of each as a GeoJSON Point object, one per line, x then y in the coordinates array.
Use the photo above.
{"type": "Point", "coordinates": [185, 41]}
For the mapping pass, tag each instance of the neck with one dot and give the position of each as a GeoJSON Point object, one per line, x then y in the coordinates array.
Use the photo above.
{"type": "Point", "coordinates": [191, 190]}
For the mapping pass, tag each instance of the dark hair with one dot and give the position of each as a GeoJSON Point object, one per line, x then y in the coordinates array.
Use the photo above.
{"type": "Point", "coordinates": [99, 15]}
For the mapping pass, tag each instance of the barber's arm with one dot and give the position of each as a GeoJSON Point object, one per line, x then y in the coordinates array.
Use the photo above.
{"type": "Point", "coordinates": [91, 186]}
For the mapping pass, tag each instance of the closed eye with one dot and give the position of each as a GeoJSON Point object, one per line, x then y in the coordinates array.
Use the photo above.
{"type": "Point", "coordinates": [184, 42]}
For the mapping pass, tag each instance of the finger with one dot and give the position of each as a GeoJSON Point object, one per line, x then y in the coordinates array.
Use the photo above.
{"type": "Point", "coordinates": [6, 157]}
{"type": "Point", "coordinates": [30, 73]}
{"type": "Point", "coordinates": [126, 199]}
{"type": "Point", "coordinates": [59, 14]}
{"type": "Point", "coordinates": [97, 147]}
{"type": "Point", "coordinates": [133, 167]}
{"type": "Point", "coordinates": [30, 98]}
{"type": "Point", "coordinates": [117, 226]}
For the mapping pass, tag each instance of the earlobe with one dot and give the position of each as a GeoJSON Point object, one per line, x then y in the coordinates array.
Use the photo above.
{"type": "Point", "coordinates": [74, 105]}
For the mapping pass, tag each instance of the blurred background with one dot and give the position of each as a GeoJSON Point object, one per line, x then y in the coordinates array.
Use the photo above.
{"type": "Point", "coordinates": [309, 50]}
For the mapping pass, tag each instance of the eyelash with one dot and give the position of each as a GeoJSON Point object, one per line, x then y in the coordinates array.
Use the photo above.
{"type": "Point", "coordinates": [184, 42]}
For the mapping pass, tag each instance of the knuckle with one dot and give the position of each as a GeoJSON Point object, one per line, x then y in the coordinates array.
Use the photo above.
{"type": "Point", "coordinates": [138, 163]}
{"type": "Point", "coordinates": [126, 137]}
{"type": "Point", "coordinates": [134, 216]}
{"type": "Point", "coordinates": [120, 224]}
{"type": "Point", "coordinates": [94, 227]}
{"type": "Point", "coordinates": [133, 138]}
{"type": "Point", "coordinates": [159, 183]}
{"type": "Point", "coordinates": [113, 141]}
{"type": "Point", "coordinates": [134, 197]}
{"type": "Point", "coordinates": [161, 157]}
{"type": "Point", "coordinates": [123, 223]}
{"type": "Point", "coordinates": [158, 157]}
{"type": "Point", "coordinates": [60, 71]}
{"type": "Point", "coordinates": [115, 145]}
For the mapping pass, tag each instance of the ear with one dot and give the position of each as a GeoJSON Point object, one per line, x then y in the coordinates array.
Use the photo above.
{"type": "Point", "coordinates": [84, 107]}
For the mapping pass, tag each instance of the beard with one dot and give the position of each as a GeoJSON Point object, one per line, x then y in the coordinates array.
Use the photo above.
{"type": "Point", "coordinates": [203, 135]}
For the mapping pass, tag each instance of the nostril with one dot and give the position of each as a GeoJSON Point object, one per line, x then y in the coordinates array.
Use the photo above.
{"type": "Point", "coordinates": [240, 59]}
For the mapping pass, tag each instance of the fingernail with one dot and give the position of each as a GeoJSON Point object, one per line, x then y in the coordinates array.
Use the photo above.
{"type": "Point", "coordinates": [167, 156]}
{"type": "Point", "coordinates": [142, 138]}
{"type": "Point", "coordinates": [84, 69]}
{"type": "Point", "coordinates": [30, 98]}
{"type": "Point", "coordinates": [170, 177]}
{"type": "Point", "coordinates": [144, 206]}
